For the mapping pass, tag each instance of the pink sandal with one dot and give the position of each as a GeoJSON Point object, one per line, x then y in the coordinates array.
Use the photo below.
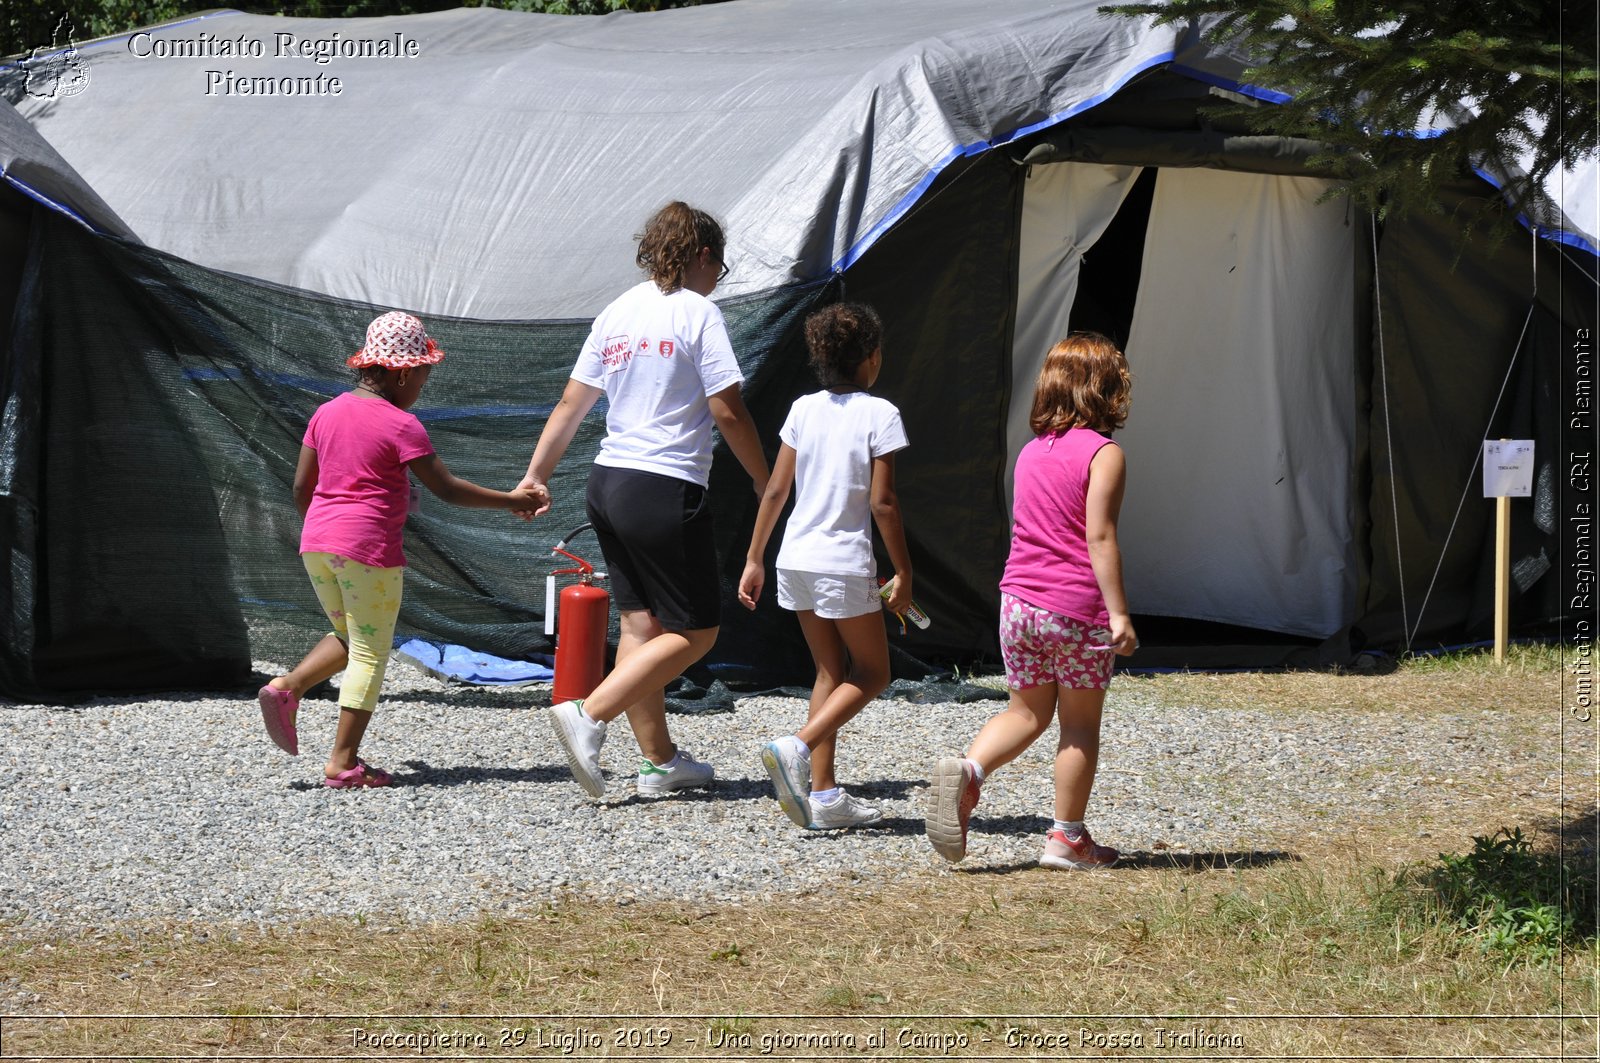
{"type": "Point", "coordinates": [278, 711]}
{"type": "Point", "coordinates": [363, 774]}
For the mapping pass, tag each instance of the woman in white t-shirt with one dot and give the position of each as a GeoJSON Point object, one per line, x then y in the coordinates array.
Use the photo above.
{"type": "Point", "coordinates": [660, 354]}
{"type": "Point", "coordinates": [838, 448]}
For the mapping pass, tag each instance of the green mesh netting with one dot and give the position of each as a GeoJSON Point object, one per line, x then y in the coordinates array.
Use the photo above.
{"type": "Point", "coordinates": [153, 412]}
{"type": "Point", "coordinates": [150, 462]}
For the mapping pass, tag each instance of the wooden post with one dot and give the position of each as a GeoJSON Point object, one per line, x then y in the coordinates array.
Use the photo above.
{"type": "Point", "coordinates": [1502, 576]}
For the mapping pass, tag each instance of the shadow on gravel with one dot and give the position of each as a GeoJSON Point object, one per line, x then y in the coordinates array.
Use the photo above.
{"type": "Point", "coordinates": [1161, 861]}
{"type": "Point", "coordinates": [722, 790]}
{"type": "Point", "coordinates": [887, 789]}
{"type": "Point", "coordinates": [979, 824]}
{"type": "Point", "coordinates": [497, 699]}
{"type": "Point", "coordinates": [424, 774]}
{"type": "Point", "coordinates": [887, 827]}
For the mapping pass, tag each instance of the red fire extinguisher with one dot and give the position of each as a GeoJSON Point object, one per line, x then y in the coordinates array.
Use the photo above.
{"type": "Point", "coordinates": [584, 611]}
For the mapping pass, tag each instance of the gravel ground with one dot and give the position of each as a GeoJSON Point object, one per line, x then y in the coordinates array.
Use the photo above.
{"type": "Point", "coordinates": [180, 807]}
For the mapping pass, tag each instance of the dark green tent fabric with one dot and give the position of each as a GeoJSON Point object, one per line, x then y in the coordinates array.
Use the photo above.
{"type": "Point", "coordinates": [154, 416]}
{"type": "Point", "coordinates": [1466, 327]}
{"type": "Point", "coordinates": [158, 410]}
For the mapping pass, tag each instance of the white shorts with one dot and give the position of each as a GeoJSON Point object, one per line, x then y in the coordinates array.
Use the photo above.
{"type": "Point", "coordinates": [832, 597]}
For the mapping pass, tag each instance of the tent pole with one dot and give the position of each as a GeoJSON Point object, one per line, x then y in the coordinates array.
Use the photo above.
{"type": "Point", "coordinates": [1502, 576]}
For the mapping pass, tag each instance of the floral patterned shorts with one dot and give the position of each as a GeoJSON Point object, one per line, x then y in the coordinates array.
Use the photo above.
{"type": "Point", "coordinates": [1040, 647]}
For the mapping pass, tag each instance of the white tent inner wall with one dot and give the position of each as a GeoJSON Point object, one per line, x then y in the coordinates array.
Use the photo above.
{"type": "Point", "coordinates": [1241, 441]}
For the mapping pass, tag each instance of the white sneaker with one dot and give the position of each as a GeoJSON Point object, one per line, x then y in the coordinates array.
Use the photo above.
{"type": "Point", "coordinates": [581, 739]}
{"type": "Point", "coordinates": [847, 811]}
{"type": "Point", "coordinates": [655, 780]}
{"type": "Point", "coordinates": [953, 794]}
{"type": "Point", "coordinates": [790, 771]}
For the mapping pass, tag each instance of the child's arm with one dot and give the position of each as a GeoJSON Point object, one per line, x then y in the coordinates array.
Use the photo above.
{"type": "Point", "coordinates": [1107, 477]}
{"type": "Point", "coordinates": [577, 399]}
{"type": "Point", "coordinates": [305, 479]}
{"type": "Point", "coordinates": [458, 492]}
{"type": "Point", "coordinates": [739, 431]}
{"type": "Point", "coordinates": [886, 513]}
{"type": "Point", "coordinates": [772, 503]}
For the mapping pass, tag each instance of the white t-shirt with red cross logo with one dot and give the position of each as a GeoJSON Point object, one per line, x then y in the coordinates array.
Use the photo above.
{"type": "Point", "coordinates": [658, 355]}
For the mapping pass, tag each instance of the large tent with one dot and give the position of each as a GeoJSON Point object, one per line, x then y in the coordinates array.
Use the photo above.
{"type": "Point", "coordinates": [197, 220]}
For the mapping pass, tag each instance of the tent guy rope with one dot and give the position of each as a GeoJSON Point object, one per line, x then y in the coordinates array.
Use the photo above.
{"type": "Point", "coordinates": [1477, 456]}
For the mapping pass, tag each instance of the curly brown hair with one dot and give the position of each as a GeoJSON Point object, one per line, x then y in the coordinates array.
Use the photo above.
{"type": "Point", "coordinates": [1084, 383]}
{"type": "Point", "coordinates": [671, 238]}
{"type": "Point", "coordinates": [840, 337]}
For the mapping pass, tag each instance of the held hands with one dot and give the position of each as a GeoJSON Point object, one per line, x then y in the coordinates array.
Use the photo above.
{"type": "Point", "coordinates": [530, 499]}
{"type": "Point", "coordinates": [750, 583]}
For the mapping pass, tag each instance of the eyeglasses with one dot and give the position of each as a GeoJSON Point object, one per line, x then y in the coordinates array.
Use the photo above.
{"type": "Point", "coordinates": [722, 266]}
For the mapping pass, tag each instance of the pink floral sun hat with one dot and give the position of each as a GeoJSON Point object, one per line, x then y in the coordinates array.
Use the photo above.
{"type": "Point", "coordinates": [396, 340]}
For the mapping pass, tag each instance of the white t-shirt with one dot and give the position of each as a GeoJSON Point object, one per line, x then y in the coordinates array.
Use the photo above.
{"type": "Point", "coordinates": [835, 438]}
{"type": "Point", "coordinates": [657, 356]}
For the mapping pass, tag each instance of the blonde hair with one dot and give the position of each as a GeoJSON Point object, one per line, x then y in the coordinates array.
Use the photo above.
{"type": "Point", "coordinates": [1084, 383]}
{"type": "Point", "coordinates": [672, 238]}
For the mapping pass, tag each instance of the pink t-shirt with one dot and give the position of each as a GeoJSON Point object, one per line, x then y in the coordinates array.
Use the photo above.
{"type": "Point", "coordinates": [1049, 563]}
{"type": "Point", "coordinates": [359, 508]}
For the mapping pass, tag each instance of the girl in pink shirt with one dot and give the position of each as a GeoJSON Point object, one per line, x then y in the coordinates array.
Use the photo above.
{"type": "Point", "coordinates": [1062, 608]}
{"type": "Point", "coordinates": [353, 490]}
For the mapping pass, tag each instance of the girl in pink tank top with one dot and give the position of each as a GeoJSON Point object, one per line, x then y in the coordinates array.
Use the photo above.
{"type": "Point", "coordinates": [1063, 613]}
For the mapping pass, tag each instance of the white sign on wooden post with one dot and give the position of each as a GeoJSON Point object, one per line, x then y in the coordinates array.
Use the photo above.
{"type": "Point", "coordinates": [1507, 468]}
{"type": "Point", "coordinates": [1507, 474]}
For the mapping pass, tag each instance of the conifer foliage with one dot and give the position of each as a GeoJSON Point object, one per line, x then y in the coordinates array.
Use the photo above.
{"type": "Point", "coordinates": [1365, 76]}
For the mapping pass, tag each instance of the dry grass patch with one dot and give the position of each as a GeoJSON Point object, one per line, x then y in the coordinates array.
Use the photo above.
{"type": "Point", "coordinates": [1256, 958]}
{"type": "Point", "coordinates": [1331, 951]}
{"type": "Point", "coordinates": [1528, 682]}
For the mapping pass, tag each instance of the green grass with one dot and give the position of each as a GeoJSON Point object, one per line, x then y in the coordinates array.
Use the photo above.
{"type": "Point", "coordinates": [1520, 905]}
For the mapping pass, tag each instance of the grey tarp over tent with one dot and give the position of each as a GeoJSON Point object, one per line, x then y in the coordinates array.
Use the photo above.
{"type": "Point", "coordinates": [195, 237]}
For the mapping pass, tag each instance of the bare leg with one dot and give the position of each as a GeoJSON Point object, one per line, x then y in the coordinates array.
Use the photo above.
{"type": "Point", "coordinates": [1077, 751]}
{"type": "Point", "coordinates": [347, 740]}
{"type": "Point", "coordinates": [326, 660]}
{"type": "Point", "coordinates": [648, 658]}
{"type": "Point", "coordinates": [852, 668]}
{"type": "Point", "coordinates": [1011, 731]}
{"type": "Point", "coordinates": [827, 651]}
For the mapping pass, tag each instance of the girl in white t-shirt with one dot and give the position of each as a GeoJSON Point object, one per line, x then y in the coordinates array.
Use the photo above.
{"type": "Point", "coordinates": [838, 448]}
{"type": "Point", "coordinates": [661, 356]}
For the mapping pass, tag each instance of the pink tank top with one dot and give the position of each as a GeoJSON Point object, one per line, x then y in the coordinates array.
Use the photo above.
{"type": "Point", "coordinates": [1049, 563]}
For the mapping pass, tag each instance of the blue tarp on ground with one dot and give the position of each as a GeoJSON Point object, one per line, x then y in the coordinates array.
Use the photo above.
{"type": "Point", "coordinates": [473, 666]}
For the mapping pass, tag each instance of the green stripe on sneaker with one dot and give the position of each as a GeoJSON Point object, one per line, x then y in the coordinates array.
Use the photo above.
{"type": "Point", "coordinates": [647, 768]}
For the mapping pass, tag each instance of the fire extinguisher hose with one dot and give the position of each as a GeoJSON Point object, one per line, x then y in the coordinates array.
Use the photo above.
{"type": "Point", "coordinates": [583, 567]}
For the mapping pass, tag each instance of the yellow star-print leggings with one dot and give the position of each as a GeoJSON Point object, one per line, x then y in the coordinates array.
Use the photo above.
{"type": "Point", "coordinates": [362, 604]}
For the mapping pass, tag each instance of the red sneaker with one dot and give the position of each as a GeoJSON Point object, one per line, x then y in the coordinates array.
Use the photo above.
{"type": "Point", "coordinates": [955, 795]}
{"type": "Point", "coordinates": [1081, 855]}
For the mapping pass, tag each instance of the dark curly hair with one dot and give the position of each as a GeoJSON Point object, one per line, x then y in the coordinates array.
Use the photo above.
{"type": "Point", "coordinates": [840, 337]}
{"type": "Point", "coordinates": [1084, 383]}
{"type": "Point", "coordinates": [671, 238]}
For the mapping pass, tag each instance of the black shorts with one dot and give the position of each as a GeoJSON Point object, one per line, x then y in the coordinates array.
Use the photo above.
{"type": "Point", "coordinates": [657, 537]}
